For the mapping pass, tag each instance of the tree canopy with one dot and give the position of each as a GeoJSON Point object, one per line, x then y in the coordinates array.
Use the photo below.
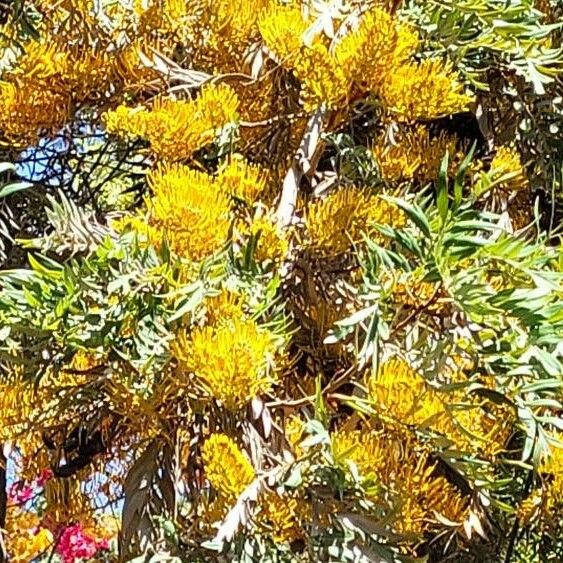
{"type": "Point", "coordinates": [281, 280]}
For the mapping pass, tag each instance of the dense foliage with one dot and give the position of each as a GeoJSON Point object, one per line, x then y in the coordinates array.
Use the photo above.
{"type": "Point", "coordinates": [281, 280]}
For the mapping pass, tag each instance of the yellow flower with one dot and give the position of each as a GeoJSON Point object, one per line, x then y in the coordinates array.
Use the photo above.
{"type": "Point", "coordinates": [472, 428]}
{"type": "Point", "coordinates": [228, 470]}
{"type": "Point", "coordinates": [323, 79]}
{"type": "Point", "coordinates": [87, 74]}
{"type": "Point", "coordinates": [64, 69]}
{"type": "Point", "coordinates": [176, 129]}
{"type": "Point", "coordinates": [364, 56]}
{"type": "Point", "coordinates": [189, 209]}
{"type": "Point", "coordinates": [84, 360]}
{"type": "Point", "coordinates": [400, 392]}
{"type": "Point", "coordinates": [424, 90]}
{"type": "Point", "coordinates": [551, 465]}
{"type": "Point", "coordinates": [294, 432]}
{"type": "Point", "coordinates": [507, 171]}
{"type": "Point", "coordinates": [146, 234]}
{"type": "Point", "coordinates": [375, 49]}
{"type": "Point", "coordinates": [106, 527]}
{"type": "Point", "coordinates": [406, 478]}
{"type": "Point", "coordinates": [41, 541]}
{"type": "Point", "coordinates": [224, 307]}
{"type": "Point", "coordinates": [234, 21]}
{"type": "Point", "coordinates": [24, 545]}
{"type": "Point", "coordinates": [530, 508]}
{"type": "Point", "coordinates": [420, 495]}
{"type": "Point", "coordinates": [43, 61]}
{"type": "Point", "coordinates": [233, 361]}
{"type": "Point", "coordinates": [402, 395]}
{"type": "Point", "coordinates": [162, 15]}
{"type": "Point", "coordinates": [416, 156]}
{"type": "Point", "coordinates": [24, 539]}
{"type": "Point", "coordinates": [48, 80]}
{"type": "Point", "coordinates": [18, 403]}
{"type": "Point", "coordinates": [230, 28]}
{"type": "Point", "coordinates": [282, 28]}
{"type": "Point", "coordinates": [284, 517]}
{"type": "Point", "coordinates": [242, 180]}
{"type": "Point", "coordinates": [26, 113]}
{"type": "Point", "coordinates": [272, 241]}
{"type": "Point", "coordinates": [336, 222]}
{"type": "Point", "coordinates": [409, 290]}
{"type": "Point", "coordinates": [369, 451]}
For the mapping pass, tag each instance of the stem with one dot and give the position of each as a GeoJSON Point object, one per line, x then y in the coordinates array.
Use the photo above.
{"type": "Point", "coordinates": [514, 532]}
{"type": "Point", "coordinates": [511, 541]}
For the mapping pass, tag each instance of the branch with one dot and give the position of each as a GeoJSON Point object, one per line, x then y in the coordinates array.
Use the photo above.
{"type": "Point", "coordinates": [240, 514]}
{"type": "Point", "coordinates": [304, 162]}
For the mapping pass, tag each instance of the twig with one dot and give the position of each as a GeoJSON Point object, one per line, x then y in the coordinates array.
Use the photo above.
{"type": "Point", "coordinates": [418, 310]}
{"type": "Point", "coordinates": [271, 121]}
{"type": "Point", "coordinates": [55, 546]}
{"type": "Point", "coordinates": [511, 541]}
{"type": "Point", "coordinates": [331, 386]}
{"type": "Point", "coordinates": [512, 538]}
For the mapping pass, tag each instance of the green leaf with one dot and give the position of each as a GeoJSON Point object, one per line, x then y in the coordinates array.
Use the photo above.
{"type": "Point", "coordinates": [189, 303]}
{"type": "Point", "coordinates": [45, 266]}
{"type": "Point", "coordinates": [5, 166]}
{"type": "Point", "coordinates": [295, 478]}
{"type": "Point", "coordinates": [551, 365]}
{"type": "Point", "coordinates": [414, 213]}
{"type": "Point", "coordinates": [442, 188]}
{"type": "Point", "coordinates": [542, 385]}
{"type": "Point", "coordinates": [13, 188]}
{"type": "Point", "coordinates": [460, 176]}
{"type": "Point", "coordinates": [357, 317]}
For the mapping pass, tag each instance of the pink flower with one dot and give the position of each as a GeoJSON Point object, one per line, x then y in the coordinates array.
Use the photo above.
{"type": "Point", "coordinates": [74, 544]}
{"type": "Point", "coordinates": [20, 493]}
{"type": "Point", "coordinates": [103, 544]}
{"type": "Point", "coordinates": [45, 475]}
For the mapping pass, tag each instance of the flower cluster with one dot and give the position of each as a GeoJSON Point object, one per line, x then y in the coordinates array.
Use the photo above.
{"type": "Point", "coordinates": [189, 209]}
{"type": "Point", "coordinates": [233, 362]}
{"type": "Point", "coordinates": [75, 545]}
{"type": "Point", "coordinates": [48, 83]}
{"type": "Point", "coordinates": [262, 310]}
{"type": "Point", "coordinates": [424, 90]}
{"type": "Point", "coordinates": [415, 495]}
{"type": "Point", "coordinates": [26, 539]}
{"type": "Point", "coordinates": [176, 129]}
{"type": "Point", "coordinates": [339, 221]}
{"type": "Point", "coordinates": [375, 57]}
{"type": "Point", "coordinates": [21, 492]}
{"type": "Point", "coordinates": [229, 472]}
{"type": "Point", "coordinates": [401, 395]}
{"type": "Point", "coordinates": [414, 156]}
{"type": "Point", "coordinates": [271, 241]}
{"type": "Point", "coordinates": [507, 171]}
